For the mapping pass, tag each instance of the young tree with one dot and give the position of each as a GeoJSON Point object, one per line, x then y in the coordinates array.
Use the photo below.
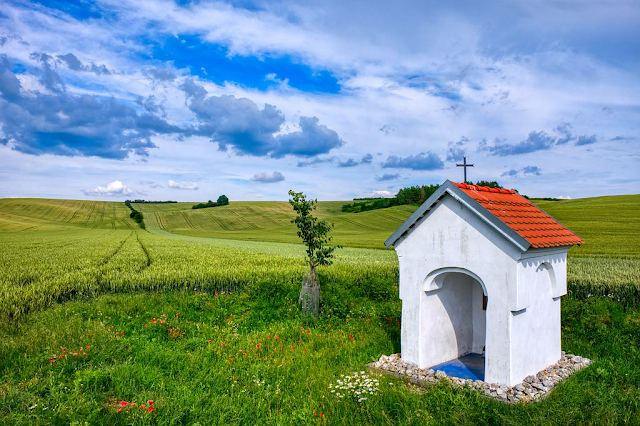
{"type": "Point", "coordinates": [315, 235]}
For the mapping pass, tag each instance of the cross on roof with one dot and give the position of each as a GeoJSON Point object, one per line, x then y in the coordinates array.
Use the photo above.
{"type": "Point", "coordinates": [465, 165]}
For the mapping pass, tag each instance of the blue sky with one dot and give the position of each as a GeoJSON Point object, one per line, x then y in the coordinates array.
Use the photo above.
{"type": "Point", "coordinates": [184, 100]}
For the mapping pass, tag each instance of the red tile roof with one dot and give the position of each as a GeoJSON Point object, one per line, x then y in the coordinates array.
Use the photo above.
{"type": "Point", "coordinates": [521, 215]}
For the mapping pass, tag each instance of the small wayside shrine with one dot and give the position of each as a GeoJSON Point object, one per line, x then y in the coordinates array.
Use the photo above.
{"type": "Point", "coordinates": [482, 271]}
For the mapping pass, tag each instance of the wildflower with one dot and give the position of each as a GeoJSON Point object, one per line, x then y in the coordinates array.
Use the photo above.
{"type": "Point", "coordinates": [258, 345]}
{"type": "Point", "coordinates": [397, 322]}
{"type": "Point", "coordinates": [224, 344]}
{"type": "Point", "coordinates": [388, 319]}
{"type": "Point", "coordinates": [88, 347]}
{"type": "Point", "coordinates": [268, 336]}
{"type": "Point", "coordinates": [230, 360]}
{"type": "Point", "coordinates": [123, 403]}
{"type": "Point", "coordinates": [154, 320]}
{"type": "Point", "coordinates": [216, 293]}
{"type": "Point", "coordinates": [209, 341]}
{"type": "Point", "coordinates": [150, 409]}
{"type": "Point", "coordinates": [118, 410]}
{"type": "Point", "coordinates": [146, 326]}
{"type": "Point", "coordinates": [122, 333]}
{"type": "Point", "coordinates": [150, 402]}
{"type": "Point", "coordinates": [368, 320]}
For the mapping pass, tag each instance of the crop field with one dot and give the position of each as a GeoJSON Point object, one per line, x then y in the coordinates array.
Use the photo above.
{"type": "Point", "coordinates": [271, 221]}
{"type": "Point", "coordinates": [222, 282]}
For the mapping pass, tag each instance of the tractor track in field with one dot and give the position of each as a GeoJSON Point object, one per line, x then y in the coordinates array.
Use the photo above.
{"type": "Point", "coordinates": [186, 219]}
{"type": "Point", "coordinates": [218, 221]}
{"type": "Point", "coordinates": [110, 255]}
{"type": "Point", "coordinates": [145, 251]}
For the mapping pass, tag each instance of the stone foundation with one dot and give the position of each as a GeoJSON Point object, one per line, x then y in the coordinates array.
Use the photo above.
{"type": "Point", "coordinates": [533, 388]}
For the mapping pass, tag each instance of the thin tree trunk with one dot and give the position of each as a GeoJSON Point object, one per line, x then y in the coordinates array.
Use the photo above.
{"type": "Point", "coordinates": [310, 293]}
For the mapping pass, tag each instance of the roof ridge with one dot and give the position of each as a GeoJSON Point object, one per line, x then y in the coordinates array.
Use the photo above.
{"type": "Point", "coordinates": [484, 188]}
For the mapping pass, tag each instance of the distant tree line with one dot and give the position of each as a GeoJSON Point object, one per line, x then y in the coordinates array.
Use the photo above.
{"type": "Point", "coordinates": [150, 202]}
{"type": "Point", "coordinates": [136, 215]}
{"type": "Point", "coordinates": [222, 201]}
{"type": "Point", "coordinates": [409, 195]}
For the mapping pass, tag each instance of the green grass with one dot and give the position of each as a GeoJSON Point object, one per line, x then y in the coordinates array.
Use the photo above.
{"type": "Point", "coordinates": [39, 214]}
{"type": "Point", "coordinates": [285, 380]}
{"type": "Point", "coordinates": [609, 225]}
{"type": "Point", "coordinates": [113, 276]}
{"type": "Point", "coordinates": [271, 221]}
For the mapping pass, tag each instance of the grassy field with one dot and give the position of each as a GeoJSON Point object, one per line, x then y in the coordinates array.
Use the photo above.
{"type": "Point", "coordinates": [271, 221]}
{"type": "Point", "coordinates": [115, 277]}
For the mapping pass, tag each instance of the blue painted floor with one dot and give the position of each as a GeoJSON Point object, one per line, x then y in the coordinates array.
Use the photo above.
{"type": "Point", "coordinates": [470, 366]}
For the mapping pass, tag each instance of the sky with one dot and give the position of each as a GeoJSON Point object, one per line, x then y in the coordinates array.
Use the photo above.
{"type": "Point", "coordinates": [188, 100]}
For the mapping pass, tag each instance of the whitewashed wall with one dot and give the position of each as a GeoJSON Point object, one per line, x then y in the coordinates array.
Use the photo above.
{"type": "Point", "coordinates": [452, 240]}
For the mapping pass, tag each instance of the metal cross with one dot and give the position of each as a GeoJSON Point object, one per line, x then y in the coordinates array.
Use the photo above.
{"type": "Point", "coordinates": [465, 165]}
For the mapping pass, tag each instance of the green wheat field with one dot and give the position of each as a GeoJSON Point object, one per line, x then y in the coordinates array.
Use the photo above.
{"type": "Point", "coordinates": [197, 313]}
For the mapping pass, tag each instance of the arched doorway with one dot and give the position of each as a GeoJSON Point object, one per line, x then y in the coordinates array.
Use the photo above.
{"type": "Point", "coordinates": [455, 341]}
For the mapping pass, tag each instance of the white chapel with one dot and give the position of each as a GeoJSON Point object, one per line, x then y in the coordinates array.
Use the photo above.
{"type": "Point", "coordinates": [482, 271]}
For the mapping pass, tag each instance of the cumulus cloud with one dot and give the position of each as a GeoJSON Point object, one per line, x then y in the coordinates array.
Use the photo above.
{"type": "Point", "coordinates": [315, 161]}
{"type": "Point", "coordinates": [525, 171]}
{"type": "Point", "coordinates": [240, 125]}
{"type": "Point", "coordinates": [423, 161]}
{"type": "Point", "coordinates": [367, 159]}
{"type": "Point", "coordinates": [456, 150]}
{"type": "Point", "coordinates": [382, 193]}
{"type": "Point", "coordinates": [537, 141]}
{"type": "Point", "coordinates": [73, 63]}
{"type": "Point", "coordinates": [387, 176]}
{"type": "Point", "coordinates": [186, 186]}
{"type": "Point", "coordinates": [586, 140]}
{"type": "Point", "coordinates": [66, 124]}
{"type": "Point", "coordinates": [114, 189]}
{"type": "Point", "coordinates": [264, 177]}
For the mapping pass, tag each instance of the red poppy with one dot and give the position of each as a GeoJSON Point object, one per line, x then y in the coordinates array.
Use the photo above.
{"type": "Point", "coordinates": [123, 403]}
{"type": "Point", "coordinates": [150, 409]}
{"type": "Point", "coordinates": [230, 360]}
{"type": "Point", "coordinates": [209, 341]}
{"type": "Point", "coordinates": [118, 410]}
{"type": "Point", "coordinates": [368, 320]}
{"type": "Point", "coordinates": [388, 319]}
{"type": "Point", "coordinates": [397, 322]}
{"type": "Point", "coordinates": [88, 347]}
{"type": "Point", "coordinates": [146, 325]}
{"type": "Point", "coordinates": [268, 336]}
{"type": "Point", "coordinates": [154, 320]}
{"type": "Point", "coordinates": [122, 332]}
{"type": "Point", "coordinates": [224, 344]}
{"type": "Point", "coordinates": [321, 414]}
{"type": "Point", "coordinates": [150, 402]}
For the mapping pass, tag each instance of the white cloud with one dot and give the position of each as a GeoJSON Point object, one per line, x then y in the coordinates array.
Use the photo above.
{"type": "Point", "coordinates": [382, 193]}
{"type": "Point", "coordinates": [563, 197]}
{"type": "Point", "coordinates": [189, 186]}
{"type": "Point", "coordinates": [114, 189]}
{"type": "Point", "coordinates": [264, 177]}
